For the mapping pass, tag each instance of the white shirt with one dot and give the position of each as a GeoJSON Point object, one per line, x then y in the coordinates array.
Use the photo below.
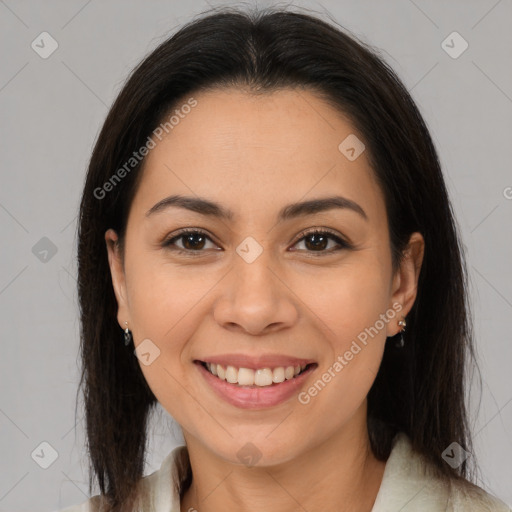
{"type": "Point", "coordinates": [406, 486]}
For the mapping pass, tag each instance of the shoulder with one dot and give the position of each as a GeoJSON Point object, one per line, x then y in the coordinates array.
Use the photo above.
{"type": "Point", "coordinates": [159, 490]}
{"type": "Point", "coordinates": [467, 496]}
{"type": "Point", "coordinates": [409, 483]}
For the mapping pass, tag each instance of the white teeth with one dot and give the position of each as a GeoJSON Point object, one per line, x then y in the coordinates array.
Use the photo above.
{"type": "Point", "coordinates": [263, 377]}
{"type": "Point", "coordinates": [260, 377]}
{"type": "Point", "coordinates": [231, 374]}
{"type": "Point", "coordinates": [245, 377]}
{"type": "Point", "coordinates": [278, 374]}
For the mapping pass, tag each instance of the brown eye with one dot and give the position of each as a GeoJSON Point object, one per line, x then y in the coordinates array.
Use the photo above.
{"type": "Point", "coordinates": [192, 241]}
{"type": "Point", "coordinates": [318, 241]}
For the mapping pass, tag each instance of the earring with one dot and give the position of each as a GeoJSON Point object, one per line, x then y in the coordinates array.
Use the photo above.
{"type": "Point", "coordinates": [400, 343]}
{"type": "Point", "coordinates": [127, 335]}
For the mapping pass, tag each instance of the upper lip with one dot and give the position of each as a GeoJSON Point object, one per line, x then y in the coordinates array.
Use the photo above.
{"type": "Point", "coordinates": [255, 362]}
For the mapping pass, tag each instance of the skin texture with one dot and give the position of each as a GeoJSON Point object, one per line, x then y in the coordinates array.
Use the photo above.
{"type": "Point", "coordinates": [255, 154]}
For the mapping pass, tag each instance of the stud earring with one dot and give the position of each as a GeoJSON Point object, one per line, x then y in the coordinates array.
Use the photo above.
{"type": "Point", "coordinates": [400, 343]}
{"type": "Point", "coordinates": [127, 335]}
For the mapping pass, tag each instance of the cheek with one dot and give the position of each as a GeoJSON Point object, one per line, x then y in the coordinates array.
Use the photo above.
{"type": "Point", "coordinates": [350, 309]}
{"type": "Point", "coordinates": [162, 296]}
{"type": "Point", "coordinates": [348, 304]}
{"type": "Point", "coordinates": [346, 300]}
{"type": "Point", "coordinates": [165, 308]}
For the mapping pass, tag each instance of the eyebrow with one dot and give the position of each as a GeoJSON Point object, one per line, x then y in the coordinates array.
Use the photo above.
{"type": "Point", "coordinates": [210, 208]}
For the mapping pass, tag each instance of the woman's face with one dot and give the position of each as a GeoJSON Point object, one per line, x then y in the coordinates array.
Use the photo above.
{"type": "Point", "coordinates": [252, 289]}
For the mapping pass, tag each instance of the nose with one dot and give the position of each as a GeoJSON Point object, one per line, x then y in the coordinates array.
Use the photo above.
{"type": "Point", "coordinates": [255, 299]}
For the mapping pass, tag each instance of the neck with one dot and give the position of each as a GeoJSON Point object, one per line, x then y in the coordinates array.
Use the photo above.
{"type": "Point", "coordinates": [339, 474]}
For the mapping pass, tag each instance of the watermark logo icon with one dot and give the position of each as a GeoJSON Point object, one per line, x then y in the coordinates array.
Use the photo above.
{"type": "Point", "coordinates": [454, 45]}
{"type": "Point", "coordinates": [44, 250]}
{"type": "Point", "coordinates": [351, 147]}
{"type": "Point", "coordinates": [249, 454]}
{"type": "Point", "coordinates": [44, 455]}
{"type": "Point", "coordinates": [147, 352]}
{"type": "Point", "coordinates": [249, 249]}
{"type": "Point", "coordinates": [455, 455]}
{"type": "Point", "coordinates": [44, 45]}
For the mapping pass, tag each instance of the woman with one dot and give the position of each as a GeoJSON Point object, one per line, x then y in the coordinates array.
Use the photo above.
{"type": "Point", "coordinates": [265, 218]}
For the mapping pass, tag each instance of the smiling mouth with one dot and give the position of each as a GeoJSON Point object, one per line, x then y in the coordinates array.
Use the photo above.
{"type": "Point", "coordinates": [261, 377]}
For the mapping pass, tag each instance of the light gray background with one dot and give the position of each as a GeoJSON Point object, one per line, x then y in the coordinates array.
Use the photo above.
{"type": "Point", "coordinates": [51, 112]}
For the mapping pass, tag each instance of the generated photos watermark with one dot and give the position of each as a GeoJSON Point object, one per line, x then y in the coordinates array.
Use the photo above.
{"type": "Point", "coordinates": [343, 360]}
{"type": "Point", "coordinates": [137, 156]}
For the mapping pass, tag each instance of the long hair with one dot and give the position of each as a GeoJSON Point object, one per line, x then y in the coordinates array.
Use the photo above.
{"type": "Point", "coordinates": [419, 389]}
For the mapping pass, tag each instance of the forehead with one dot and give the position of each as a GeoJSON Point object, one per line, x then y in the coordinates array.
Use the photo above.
{"type": "Point", "coordinates": [256, 150]}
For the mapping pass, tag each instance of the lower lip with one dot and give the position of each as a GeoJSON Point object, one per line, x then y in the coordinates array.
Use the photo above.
{"type": "Point", "coordinates": [247, 397]}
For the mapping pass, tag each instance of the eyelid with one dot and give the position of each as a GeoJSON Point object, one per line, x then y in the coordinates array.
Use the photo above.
{"type": "Point", "coordinates": [340, 240]}
{"type": "Point", "coordinates": [167, 242]}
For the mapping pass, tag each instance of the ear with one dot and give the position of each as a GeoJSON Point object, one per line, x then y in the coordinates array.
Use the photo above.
{"type": "Point", "coordinates": [118, 277]}
{"type": "Point", "coordinates": [405, 280]}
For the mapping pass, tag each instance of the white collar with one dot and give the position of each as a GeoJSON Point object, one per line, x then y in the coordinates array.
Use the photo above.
{"type": "Point", "coordinates": [407, 485]}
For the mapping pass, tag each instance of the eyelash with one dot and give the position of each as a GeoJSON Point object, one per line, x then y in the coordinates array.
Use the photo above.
{"type": "Point", "coordinates": [302, 235]}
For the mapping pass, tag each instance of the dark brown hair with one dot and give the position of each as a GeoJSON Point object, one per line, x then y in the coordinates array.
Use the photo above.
{"type": "Point", "coordinates": [420, 389]}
